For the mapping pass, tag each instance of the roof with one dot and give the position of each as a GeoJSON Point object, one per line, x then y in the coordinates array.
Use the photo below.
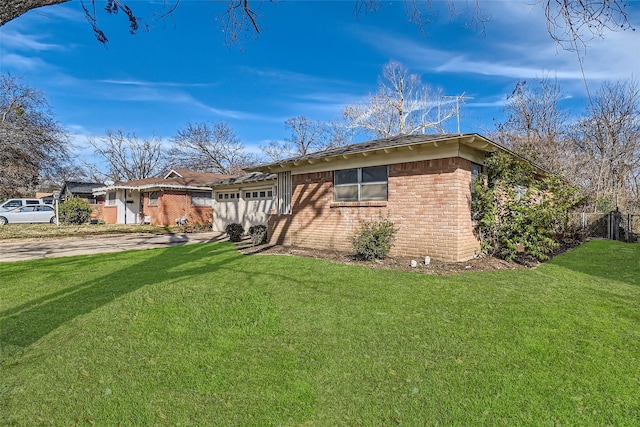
{"type": "Point", "coordinates": [472, 140]}
{"type": "Point", "coordinates": [246, 179]}
{"type": "Point", "coordinates": [77, 187]}
{"type": "Point", "coordinates": [178, 179]}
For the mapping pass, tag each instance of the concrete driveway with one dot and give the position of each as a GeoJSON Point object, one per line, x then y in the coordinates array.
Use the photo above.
{"type": "Point", "coordinates": [11, 250]}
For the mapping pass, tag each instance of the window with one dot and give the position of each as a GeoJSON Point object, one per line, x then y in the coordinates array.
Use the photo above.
{"type": "Point", "coordinates": [153, 198]}
{"type": "Point", "coordinates": [361, 184]}
{"type": "Point", "coordinates": [261, 194]}
{"type": "Point", "coordinates": [476, 170]}
{"type": "Point", "coordinates": [284, 192]}
{"type": "Point", "coordinates": [201, 198]}
{"type": "Point", "coordinates": [111, 198]}
{"type": "Point", "coordinates": [227, 197]}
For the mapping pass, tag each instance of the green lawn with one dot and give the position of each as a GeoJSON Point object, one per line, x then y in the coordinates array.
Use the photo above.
{"type": "Point", "coordinates": [202, 335]}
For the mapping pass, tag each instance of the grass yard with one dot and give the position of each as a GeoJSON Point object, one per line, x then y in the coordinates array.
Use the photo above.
{"type": "Point", "coordinates": [46, 231]}
{"type": "Point", "coordinates": [202, 335]}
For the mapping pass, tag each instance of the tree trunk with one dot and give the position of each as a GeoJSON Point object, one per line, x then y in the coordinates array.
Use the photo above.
{"type": "Point", "coordinates": [10, 9]}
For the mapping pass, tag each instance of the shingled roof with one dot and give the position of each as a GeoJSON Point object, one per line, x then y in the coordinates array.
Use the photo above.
{"type": "Point", "coordinates": [246, 179]}
{"type": "Point", "coordinates": [175, 179]}
{"type": "Point", "coordinates": [472, 139]}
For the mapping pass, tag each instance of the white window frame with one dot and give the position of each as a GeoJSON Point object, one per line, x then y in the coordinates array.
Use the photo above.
{"type": "Point", "coordinates": [360, 184]}
{"type": "Point", "coordinates": [153, 201]}
{"type": "Point", "coordinates": [284, 193]}
{"type": "Point", "coordinates": [110, 198]}
{"type": "Point", "coordinates": [203, 198]}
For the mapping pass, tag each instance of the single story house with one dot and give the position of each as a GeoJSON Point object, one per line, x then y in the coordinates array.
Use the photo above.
{"type": "Point", "coordinates": [247, 200]}
{"type": "Point", "coordinates": [83, 190]}
{"type": "Point", "coordinates": [423, 183]}
{"type": "Point", "coordinates": [166, 200]}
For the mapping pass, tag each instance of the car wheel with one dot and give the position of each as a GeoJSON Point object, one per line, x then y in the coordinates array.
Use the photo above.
{"type": "Point", "coordinates": [3, 220]}
{"type": "Point", "coordinates": [52, 220]}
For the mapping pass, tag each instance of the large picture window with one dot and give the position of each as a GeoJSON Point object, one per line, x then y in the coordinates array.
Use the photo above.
{"type": "Point", "coordinates": [361, 184]}
{"type": "Point", "coordinates": [201, 198]}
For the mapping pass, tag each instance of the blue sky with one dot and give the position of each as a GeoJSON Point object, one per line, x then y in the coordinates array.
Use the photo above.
{"type": "Point", "coordinates": [311, 59]}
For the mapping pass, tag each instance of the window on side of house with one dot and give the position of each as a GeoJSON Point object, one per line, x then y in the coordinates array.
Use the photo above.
{"type": "Point", "coordinates": [111, 198]}
{"type": "Point", "coordinates": [476, 170]}
{"type": "Point", "coordinates": [284, 193]}
{"type": "Point", "coordinates": [361, 184]}
{"type": "Point", "coordinates": [153, 198]}
{"type": "Point", "coordinates": [201, 198]}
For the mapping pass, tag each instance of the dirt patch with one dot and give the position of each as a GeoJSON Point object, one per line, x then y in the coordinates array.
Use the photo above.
{"type": "Point", "coordinates": [485, 263]}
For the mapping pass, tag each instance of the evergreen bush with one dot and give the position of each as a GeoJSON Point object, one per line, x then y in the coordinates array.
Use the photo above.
{"type": "Point", "coordinates": [234, 231]}
{"type": "Point", "coordinates": [258, 234]}
{"type": "Point", "coordinates": [374, 239]}
{"type": "Point", "coordinates": [516, 211]}
{"type": "Point", "coordinates": [74, 211]}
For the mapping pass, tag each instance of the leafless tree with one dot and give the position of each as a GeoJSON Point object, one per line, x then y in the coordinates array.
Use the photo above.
{"type": "Point", "coordinates": [209, 148]}
{"type": "Point", "coordinates": [403, 105]}
{"type": "Point", "coordinates": [571, 23]}
{"type": "Point", "coordinates": [32, 143]}
{"type": "Point", "coordinates": [536, 125]}
{"type": "Point", "coordinates": [307, 136]}
{"type": "Point", "coordinates": [609, 139]}
{"type": "Point", "coordinates": [128, 157]}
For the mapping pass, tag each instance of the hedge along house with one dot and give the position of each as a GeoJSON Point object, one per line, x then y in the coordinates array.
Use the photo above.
{"type": "Point", "coordinates": [420, 182]}
{"type": "Point", "coordinates": [181, 194]}
{"type": "Point", "coordinates": [247, 200]}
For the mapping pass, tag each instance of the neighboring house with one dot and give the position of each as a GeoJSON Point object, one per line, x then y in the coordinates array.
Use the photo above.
{"type": "Point", "coordinates": [246, 200]}
{"type": "Point", "coordinates": [83, 190]}
{"type": "Point", "coordinates": [179, 195]}
{"type": "Point", "coordinates": [420, 182]}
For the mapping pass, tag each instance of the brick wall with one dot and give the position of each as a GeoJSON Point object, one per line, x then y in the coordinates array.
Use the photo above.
{"type": "Point", "coordinates": [110, 214]}
{"type": "Point", "coordinates": [429, 202]}
{"type": "Point", "coordinates": [174, 205]}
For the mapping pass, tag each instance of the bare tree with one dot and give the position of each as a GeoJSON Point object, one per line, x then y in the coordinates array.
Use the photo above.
{"type": "Point", "coordinates": [609, 139]}
{"type": "Point", "coordinates": [536, 126]}
{"type": "Point", "coordinates": [571, 23]}
{"type": "Point", "coordinates": [403, 105]}
{"type": "Point", "coordinates": [128, 157]}
{"type": "Point", "coordinates": [32, 143]}
{"type": "Point", "coordinates": [210, 148]}
{"type": "Point", "coordinates": [307, 136]}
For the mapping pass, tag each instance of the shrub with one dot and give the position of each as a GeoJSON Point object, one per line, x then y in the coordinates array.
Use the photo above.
{"type": "Point", "coordinates": [75, 211]}
{"type": "Point", "coordinates": [234, 231]}
{"type": "Point", "coordinates": [258, 234]}
{"type": "Point", "coordinates": [514, 210]}
{"type": "Point", "coordinates": [374, 239]}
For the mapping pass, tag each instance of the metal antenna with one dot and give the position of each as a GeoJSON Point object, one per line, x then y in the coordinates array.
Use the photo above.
{"type": "Point", "coordinates": [459, 98]}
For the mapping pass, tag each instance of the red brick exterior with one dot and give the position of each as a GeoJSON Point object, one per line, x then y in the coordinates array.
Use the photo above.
{"type": "Point", "coordinates": [109, 214]}
{"type": "Point", "coordinates": [174, 205]}
{"type": "Point", "coordinates": [428, 201]}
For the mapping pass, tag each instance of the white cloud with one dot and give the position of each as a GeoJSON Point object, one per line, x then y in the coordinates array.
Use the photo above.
{"type": "Point", "coordinates": [27, 42]}
{"type": "Point", "coordinates": [21, 62]}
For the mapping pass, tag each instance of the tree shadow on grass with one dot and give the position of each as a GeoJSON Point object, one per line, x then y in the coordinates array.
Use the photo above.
{"type": "Point", "coordinates": [607, 259]}
{"type": "Point", "coordinates": [23, 325]}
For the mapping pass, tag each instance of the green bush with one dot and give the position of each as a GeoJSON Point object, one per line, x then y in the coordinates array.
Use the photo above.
{"type": "Point", "coordinates": [74, 211]}
{"type": "Point", "coordinates": [258, 234]}
{"type": "Point", "coordinates": [516, 211]}
{"type": "Point", "coordinates": [234, 231]}
{"type": "Point", "coordinates": [374, 239]}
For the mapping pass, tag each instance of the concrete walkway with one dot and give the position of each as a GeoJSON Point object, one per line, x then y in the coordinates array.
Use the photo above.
{"type": "Point", "coordinates": [12, 250]}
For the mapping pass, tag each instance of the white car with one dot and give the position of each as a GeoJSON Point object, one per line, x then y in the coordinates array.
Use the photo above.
{"type": "Point", "coordinates": [16, 203]}
{"type": "Point", "coordinates": [29, 214]}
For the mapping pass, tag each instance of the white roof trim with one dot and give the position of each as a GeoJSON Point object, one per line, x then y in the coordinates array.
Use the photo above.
{"type": "Point", "coordinates": [103, 190]}
{"type": "Point", "coordinates": [172, 171]}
